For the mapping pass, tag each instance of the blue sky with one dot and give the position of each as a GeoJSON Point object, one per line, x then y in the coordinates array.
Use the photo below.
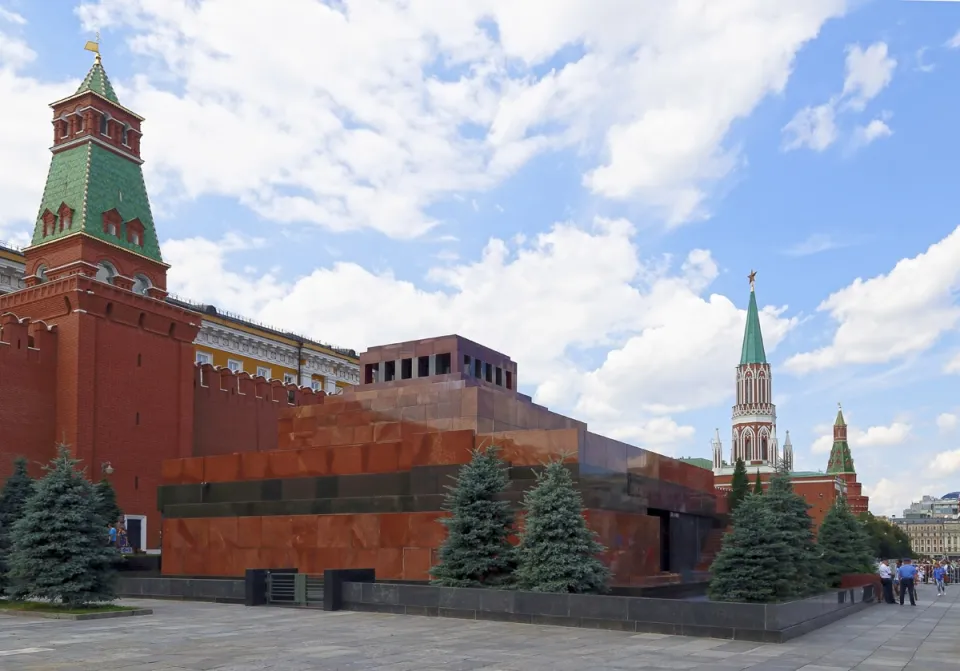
{"type": "Point", "coordinates": [587, 196]}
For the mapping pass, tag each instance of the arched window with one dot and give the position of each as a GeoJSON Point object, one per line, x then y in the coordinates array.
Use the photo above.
{"type": "Point", "coordinates": [125, 135]}
{"type": "Point", "coordinates": [104, 124]}
{"type": "Point", "coordinates": [747, 445]}
{"type": "Point", "coordinates": [141, 284]}
{"type": "Point", "coordinates": [749, 389]}
{"type": "Point", "coordinates": [763, 447]}
{"type": "Point", "coordinates": [41, 274]}
{"type": "Point", "coordinates": [106, 272]}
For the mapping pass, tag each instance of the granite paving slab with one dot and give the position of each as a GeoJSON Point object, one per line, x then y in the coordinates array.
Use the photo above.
{"type": "Point", "coordinates": [185, 636]}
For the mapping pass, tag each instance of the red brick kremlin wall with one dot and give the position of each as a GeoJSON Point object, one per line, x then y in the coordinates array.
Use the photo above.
{"type": "Point", "coordinates": [28, 378]}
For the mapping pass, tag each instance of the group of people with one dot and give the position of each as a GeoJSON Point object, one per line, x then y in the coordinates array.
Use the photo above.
{"type": "Point", "coordinates": [903, 579]}
{"type": "Point", "coordinates": [117, 535]}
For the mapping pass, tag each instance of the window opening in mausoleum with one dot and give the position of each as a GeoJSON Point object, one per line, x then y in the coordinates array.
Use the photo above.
{"type": "Point", "coordinates": [443, 364]}
{"type": "Point", "coordinates": [406, 369]}
{"type": "Point", "coordinates": [423, 366]}
{"type": "Point", "coordinates": [389, 371]}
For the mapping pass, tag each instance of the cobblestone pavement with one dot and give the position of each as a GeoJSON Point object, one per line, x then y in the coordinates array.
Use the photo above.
{"type": "Point", "coordinates": [212, 636]}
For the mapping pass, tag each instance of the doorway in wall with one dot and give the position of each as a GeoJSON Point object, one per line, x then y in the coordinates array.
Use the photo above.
{"type": "Point", "coordinates": [664, 516]}
{"type": "Point", "coordinates": [136, 531]}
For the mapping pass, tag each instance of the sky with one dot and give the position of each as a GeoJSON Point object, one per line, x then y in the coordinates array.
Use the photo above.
{"type": "Point", "coordinates": [584, 186]}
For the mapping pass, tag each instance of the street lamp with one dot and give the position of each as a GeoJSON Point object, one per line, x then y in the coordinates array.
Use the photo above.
{"type": "Point", "coordinates": [106, 468]}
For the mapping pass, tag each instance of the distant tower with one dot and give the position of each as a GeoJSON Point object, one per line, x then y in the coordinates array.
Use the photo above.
{"type": "Point", "coordinates": [717, 450]}
{"type": "Point", "coordinates": [788, 453]}
{"type": "Point", "coordinates": [125, 356]}
{"type": "Point", "coordinates": [841, 461]}
{"type": "Point", "coordinates": [754, 416]}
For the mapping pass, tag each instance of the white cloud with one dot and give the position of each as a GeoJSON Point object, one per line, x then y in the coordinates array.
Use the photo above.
{"type": "Point", "coordinates": [876, 129]}
{"type": "Point", "coordinates": [894, 315]}
{"type": "Point", "coordinates": [12, 17]}
{"type": "Point", "coordinates": [874, 436]}
{"type": "Point", "coordinates": [25, 163]}
{"type": "Point", "coordinates": [811, 127]}
{"type": "Point", "coordinates": [363, 114]}
{"type": "Point", "coordinates": [953, 365]}
{"type": "Point", "coordinates": [891, 496]}
{"type": "Point", "coordinates": [947, 422]}
{"type": "Point", "coordinates": [816, 243]}
{"type": "Point", "coordinates": [565, 292]}
{"type": "Point", "coordinates": [868, 72]}
{"type": "Point", "coordinates": [945, 463]}
{"type": "Point", "coordinates": [954, 42]}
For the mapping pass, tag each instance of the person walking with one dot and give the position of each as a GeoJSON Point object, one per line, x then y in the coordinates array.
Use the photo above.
{"type": "Point", "coordinates": [939, 574]}
{"type": "Point", "coordinates": [886, 580]}
{"type": "Point", "coordinates": [907, 574]}
{"type": "Point", "coordinates": [896, 579]}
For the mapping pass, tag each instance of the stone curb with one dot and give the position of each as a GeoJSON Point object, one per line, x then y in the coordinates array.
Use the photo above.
{"type": "Point", "coordinates": [79, 616]}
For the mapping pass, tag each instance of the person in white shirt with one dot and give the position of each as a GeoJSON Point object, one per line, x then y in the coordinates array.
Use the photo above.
{"type": "Point", "coordinates": [886, 580]}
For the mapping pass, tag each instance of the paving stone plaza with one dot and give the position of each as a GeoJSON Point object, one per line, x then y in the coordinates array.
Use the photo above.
{"type": "Point", "coordinates": [198, 636]}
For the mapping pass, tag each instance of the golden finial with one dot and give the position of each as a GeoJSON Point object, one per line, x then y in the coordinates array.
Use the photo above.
{"type": "Point", "coordinates": [94, 47]}
{"type": "Point", "coordinates": [752, 277]}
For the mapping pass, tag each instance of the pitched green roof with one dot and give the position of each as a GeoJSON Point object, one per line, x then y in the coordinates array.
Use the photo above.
{"type": "Point", "coordinates": [698, 461]}
{"type": "Point", "coordinates": [841, 461]}
{"type": "Point", "coordinates": [93, 180]}
{"type": "Point", "coordinates": [752, 351]}
{"type": "Point", "coordinates": [97, 82]}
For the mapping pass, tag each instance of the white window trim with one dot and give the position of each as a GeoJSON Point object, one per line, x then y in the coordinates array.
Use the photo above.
{"type": "Point", "coordinates": [264, 372]}
{"type": "Point", "coordinates": [289, 378]}
{"type": "Point", "coordinates": [235, 365]}
{"type": "Point", "coordinates": [316, 385]}
{"type": "Point", "coordinates": [143, 528]}
{"type": "Point", "coordinates": [204, 357]}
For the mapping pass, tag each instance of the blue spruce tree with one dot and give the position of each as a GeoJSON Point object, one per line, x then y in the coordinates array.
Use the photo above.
{"type": "Point", "coordinates": [59, 551]}
{"type": "Point", "coordinates": [558, 552]}
{"type": "Point", "coordinates": [476, 551]}
{"type": "Point", "coordinates": [16, 490]}
{"type": "Point", "coordinates": [749, 566]}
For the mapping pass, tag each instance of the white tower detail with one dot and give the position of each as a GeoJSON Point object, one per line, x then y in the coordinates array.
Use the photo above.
{"type": "Point", "coordinates": [788, 453]}
{"type": "Point", "coordinates": [717, 450]}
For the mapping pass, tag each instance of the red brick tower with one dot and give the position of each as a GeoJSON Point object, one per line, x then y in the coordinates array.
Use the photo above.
{"type": "Point", "coordinates": [841, 465]}
{"type": "Point", "coordinates": [124, 391]}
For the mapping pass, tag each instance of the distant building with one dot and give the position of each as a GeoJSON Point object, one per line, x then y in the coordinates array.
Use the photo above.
{"type": "Point", "coordinates": [947, 505]}
{"type": "Point", "coordinates": [935, 537]}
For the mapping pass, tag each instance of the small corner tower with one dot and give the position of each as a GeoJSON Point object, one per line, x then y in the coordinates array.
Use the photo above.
{"type": "Point", "coordinates": [841, 461]}
{"type": "Point", "coordinates": [124, 377]}
{"type": "Point", "coordinates": [841, 465]}
{"type": "Point", "coordinates": [788, 453]}
{"type": "Point", "coordinates": [754, 417]}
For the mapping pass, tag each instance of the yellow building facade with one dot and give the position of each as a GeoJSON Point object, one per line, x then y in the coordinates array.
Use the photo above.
{"type": "Point", "coordinates": [231, 341]}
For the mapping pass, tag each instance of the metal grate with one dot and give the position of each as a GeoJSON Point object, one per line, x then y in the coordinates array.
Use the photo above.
{"type": "Point", "coordinates": [295, 589]}
{"type": "Point", "coordinates": [281, 588]}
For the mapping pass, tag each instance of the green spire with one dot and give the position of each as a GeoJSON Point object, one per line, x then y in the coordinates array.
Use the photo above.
{"type": "Point", "coordinates": [88, 181]}
{"type": "Point", "coordinates": [839, 421]}
{"type": "Point", "coordinates": [97, 82]}
{"type": "Point", "coordinates": [752, 351]}
{"type": "Point", "coordinates": [841, 461]}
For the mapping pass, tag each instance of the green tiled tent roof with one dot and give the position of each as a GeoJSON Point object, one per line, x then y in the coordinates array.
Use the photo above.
{"type": "Point", "coordinates": [97, 81]}
{"type": "Point", "coordinates": [92, 180]}
{"type": "Point", "coordinates": [752, 351]}
{"type": "Point", "coordinates": [841, 461]}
